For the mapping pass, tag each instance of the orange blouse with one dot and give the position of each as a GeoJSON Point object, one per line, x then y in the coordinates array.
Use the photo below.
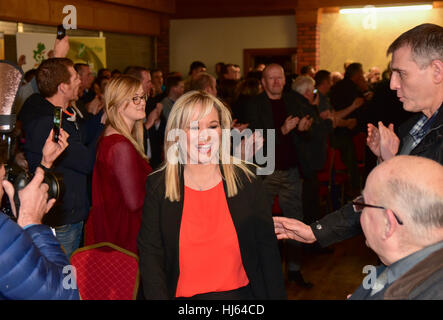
{"type": "Point", "coordinates": [209, 253]}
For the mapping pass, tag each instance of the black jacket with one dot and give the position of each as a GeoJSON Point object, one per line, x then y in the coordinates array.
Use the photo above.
{"type": "Point", "coordinates": [345, 223]}
{"type": "Point", "coordinates": [74, 164]}
{"type": "Point", "coordinates": [312, 147]}
{"type": "Point", "coordinates": [158, 240]}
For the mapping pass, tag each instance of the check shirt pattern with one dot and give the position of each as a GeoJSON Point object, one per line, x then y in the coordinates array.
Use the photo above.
{"type": "Point", "coordinates": [420, 129]}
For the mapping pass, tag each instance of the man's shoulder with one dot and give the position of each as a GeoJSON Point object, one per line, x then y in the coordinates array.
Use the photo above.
{"type": "Point", "coordinates": [35, 106]}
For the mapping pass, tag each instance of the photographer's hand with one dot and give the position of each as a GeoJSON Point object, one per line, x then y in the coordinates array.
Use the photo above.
{"type": "Point", "coordinates": [34, 202]}
{"type": "Point", "coordinates": [51, 150]}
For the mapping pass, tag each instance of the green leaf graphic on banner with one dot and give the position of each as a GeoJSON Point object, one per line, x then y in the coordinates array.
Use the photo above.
{"type": "Point", "coordinates": [39, 54]}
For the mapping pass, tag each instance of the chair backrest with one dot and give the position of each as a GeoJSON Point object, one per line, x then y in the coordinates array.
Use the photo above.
{"type": "Point", "coordinates": [359, 141]}
{"type": "Point", "coordinates": [105, 271]}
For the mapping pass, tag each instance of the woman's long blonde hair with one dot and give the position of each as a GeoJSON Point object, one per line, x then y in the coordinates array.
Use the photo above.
{"type": "Point", "coordinates": [180, 118]}
{"type": "Point", "coordinates": [119, 92]}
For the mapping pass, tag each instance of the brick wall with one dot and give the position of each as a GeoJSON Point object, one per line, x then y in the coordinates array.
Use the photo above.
{"type": "Point", "coordinates": [163, 45]}
{"type": "Point", "coordinates": [308, 45]}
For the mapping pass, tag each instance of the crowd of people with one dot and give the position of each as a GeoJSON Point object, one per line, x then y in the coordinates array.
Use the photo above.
{"type": "Point", "coordinates": [147, 165]}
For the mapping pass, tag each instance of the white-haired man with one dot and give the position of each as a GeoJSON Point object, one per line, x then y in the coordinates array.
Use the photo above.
{"type": "Point", "coordinates": [311, 147]}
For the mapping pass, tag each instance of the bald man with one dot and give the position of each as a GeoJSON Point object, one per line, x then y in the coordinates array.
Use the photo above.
{"type": "Point", "coordinates": [280, 111]}
{"type": "Point", "coordinates": [402, 219]}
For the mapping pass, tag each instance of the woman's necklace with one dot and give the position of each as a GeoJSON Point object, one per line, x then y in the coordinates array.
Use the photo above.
{"type": "Point", "coordinates": [200, 188]}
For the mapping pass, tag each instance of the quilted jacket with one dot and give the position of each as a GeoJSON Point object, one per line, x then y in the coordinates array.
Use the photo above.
{"type": "Point", "coordinates": [32, 264]}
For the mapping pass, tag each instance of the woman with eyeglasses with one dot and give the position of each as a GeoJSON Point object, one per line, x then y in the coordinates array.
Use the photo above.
{"type": "Point", "coordinates": [121, 168]}
{"type": "Point", "coordinates": [207, 230]}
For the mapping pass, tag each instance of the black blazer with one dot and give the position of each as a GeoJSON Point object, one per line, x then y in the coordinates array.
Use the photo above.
{"type": "Point", "coordinates": [158, 240]}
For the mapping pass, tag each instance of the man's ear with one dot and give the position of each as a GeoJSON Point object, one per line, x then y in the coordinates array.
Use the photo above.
{"type": "Point", "coordinates": [262, 80]}
{"type": "Point", "coordinates": [61, 88]}
{"type": "Point", "coordinates": [437, 71]}
{"type": "Point", "coordinates": [391, 224]}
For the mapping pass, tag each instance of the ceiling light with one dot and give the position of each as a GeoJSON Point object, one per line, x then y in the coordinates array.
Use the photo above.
{"type": "Point", "coordinates": [369, 9]}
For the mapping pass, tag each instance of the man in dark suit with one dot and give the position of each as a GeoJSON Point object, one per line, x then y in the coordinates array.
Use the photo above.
{"type": "Point", "coordinates": [417, 76]}
{"type": "Point", "coordinates": [277, 110]}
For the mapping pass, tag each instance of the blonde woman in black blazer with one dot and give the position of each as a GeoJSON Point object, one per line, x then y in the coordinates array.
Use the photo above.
{"type": "Point", "coordinates": [159, 237]}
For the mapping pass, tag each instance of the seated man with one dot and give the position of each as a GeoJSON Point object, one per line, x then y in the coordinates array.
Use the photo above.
{"type": "Point", "coordinates": [402, 219]}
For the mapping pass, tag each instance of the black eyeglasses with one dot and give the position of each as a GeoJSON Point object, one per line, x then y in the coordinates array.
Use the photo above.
{"type": "Point", "coordinates": [359, 204]}
{"type": "Point", "coordinates": [138, 99]}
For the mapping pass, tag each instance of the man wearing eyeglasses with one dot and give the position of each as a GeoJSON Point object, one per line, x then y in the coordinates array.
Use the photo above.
{"type": "Point", "coordinates": [417, 77]}
{"type": "Point", "coordinates": [402, 218]}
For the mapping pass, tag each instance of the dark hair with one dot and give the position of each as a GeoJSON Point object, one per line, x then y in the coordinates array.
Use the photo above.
{"type": "Point", "coordinates": [352, 69]}
{"type": "Point", "coordinates": [172, 81]}
{"type": "Point", "coordinates": [114, 72]}
{"type": "Point", "coordinates": [156, 70]}
{"type": "Point", "coordinates": [30, 74]}
{"type": "Point", "coordinates": [196, 65]}
{"type": "Point", "coordinates": [51, 73]}
{"type": "Point", "coordinates": [249, 87]}
{"type": "Point", "coordinates": [101, 72]}
{"type": "Point", "coordinates": [305, 69]}
{"type": "Point", "coordinates": [254, 74]}
{"type": "Point", "coordinates": [202, 81]}
{"type": "Point", "coordinates": [78, 66]}
{"type": "Point", "coordinates": [425, 41]}
{"type": "Point", "coordinates": [135, 71]}
{"type": "Point", "coordinates": [321, 76]}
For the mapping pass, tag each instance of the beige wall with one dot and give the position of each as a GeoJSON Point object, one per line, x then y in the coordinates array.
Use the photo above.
{"type": "Point", "coordinates": [223, 39]}
{"type": "Point", "coordinates": [343, 37]}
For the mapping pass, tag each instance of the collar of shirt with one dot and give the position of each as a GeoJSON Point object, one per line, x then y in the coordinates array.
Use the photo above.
{"type": "Point", "coordinates": [421, 128]}
{"type": "Point", "coordinates": [400, 267]}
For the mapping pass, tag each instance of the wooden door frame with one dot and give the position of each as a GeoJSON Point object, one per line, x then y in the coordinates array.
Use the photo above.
{"type": "Point", "coordinates": [249, 53]}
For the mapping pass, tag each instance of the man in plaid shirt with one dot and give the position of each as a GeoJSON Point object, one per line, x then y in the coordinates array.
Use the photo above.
{"type": "Point", "coordinates": [417, 77]}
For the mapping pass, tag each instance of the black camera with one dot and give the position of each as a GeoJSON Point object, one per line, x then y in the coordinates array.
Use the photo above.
{"type": "Point", "coordinates": [10, 79]}
{"type": "Point", "coordinates": [20, 179]}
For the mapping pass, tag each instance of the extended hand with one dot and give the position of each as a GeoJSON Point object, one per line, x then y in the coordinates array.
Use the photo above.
{"type": "Point", "coordinates": [288, 228]}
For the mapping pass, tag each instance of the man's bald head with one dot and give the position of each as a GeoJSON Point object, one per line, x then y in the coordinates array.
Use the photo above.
{"type": "Point", "coordinates": [273, 81]}
{"type": "Point", "coordinates": [412, 186]}
{"type": "Point", "coordinates": [407, 193]}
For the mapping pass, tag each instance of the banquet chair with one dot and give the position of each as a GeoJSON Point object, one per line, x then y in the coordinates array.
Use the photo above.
{"type": "Point", "coordinates": [105, 271]}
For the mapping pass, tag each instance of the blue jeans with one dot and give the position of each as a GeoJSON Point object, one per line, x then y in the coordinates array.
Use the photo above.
{"type": "Point", "coordinates": [69, 236]}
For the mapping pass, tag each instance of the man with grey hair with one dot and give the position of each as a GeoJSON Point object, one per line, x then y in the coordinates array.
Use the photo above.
{"type": "Point", "coordinates": [402, 218]}
{"type": "Point", "coordinates": [417, 76]}
{"type": "Point", "coordinates": [312, 147]}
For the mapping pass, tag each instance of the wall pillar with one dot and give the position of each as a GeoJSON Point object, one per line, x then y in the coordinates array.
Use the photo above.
{"type": "Point", "coordinates": [308, 37]}
{"type": "Point", "coordinates": [162, 52]}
